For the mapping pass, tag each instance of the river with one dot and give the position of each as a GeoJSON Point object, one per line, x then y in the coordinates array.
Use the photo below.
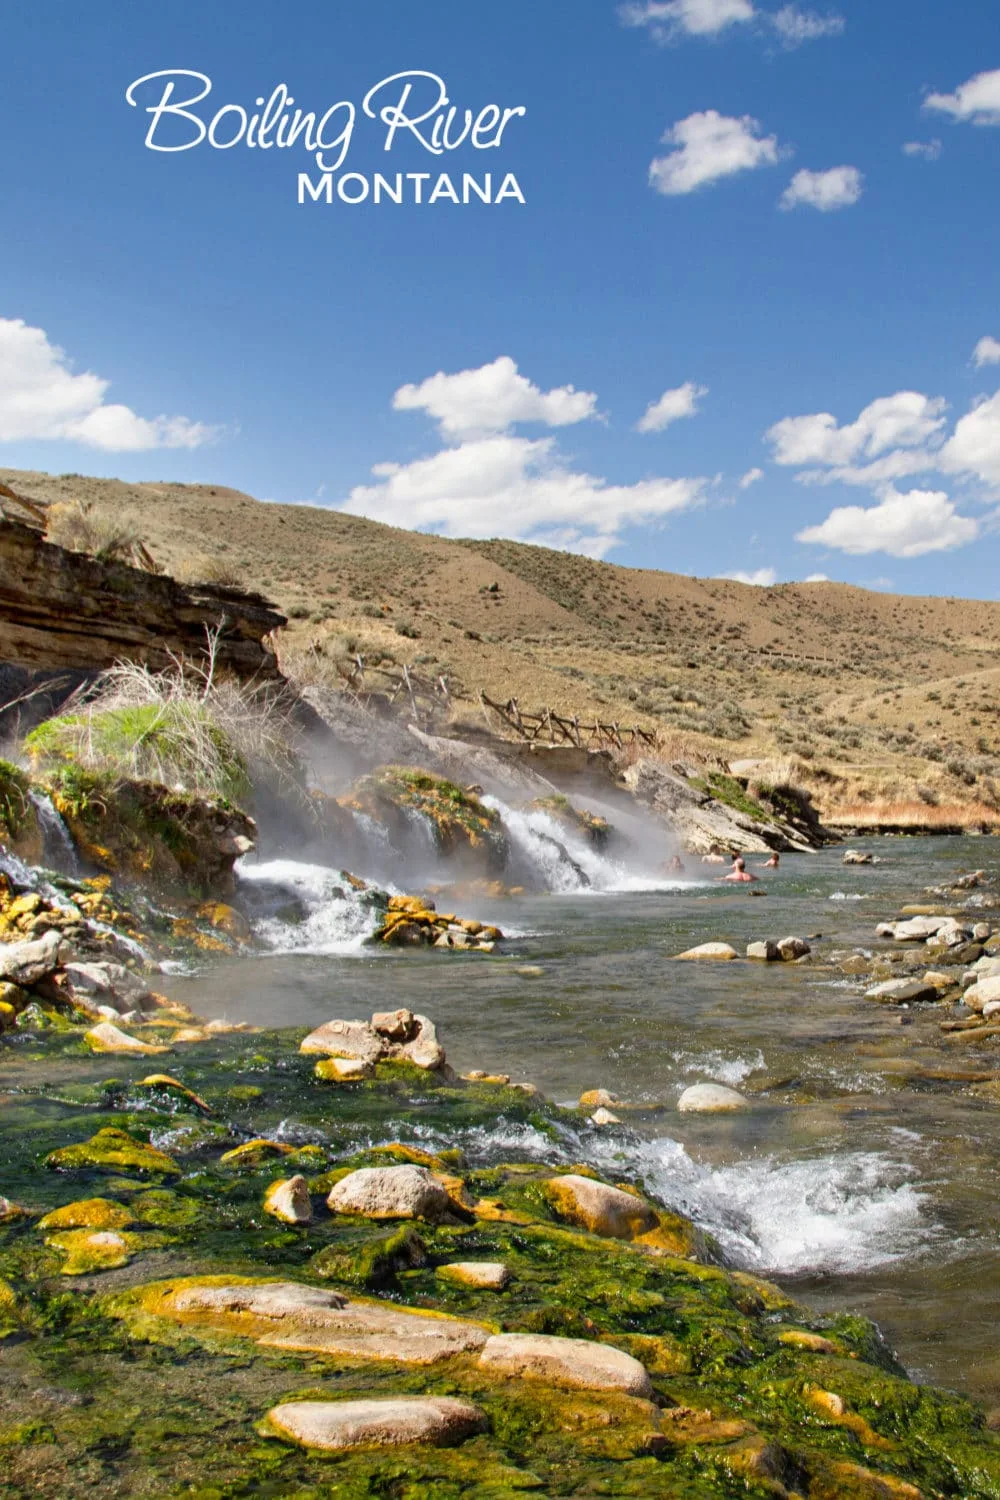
{"type": "Point", "coordinates": [860, 1177]}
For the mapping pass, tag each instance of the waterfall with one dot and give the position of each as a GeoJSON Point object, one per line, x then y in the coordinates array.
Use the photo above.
{"type": "Point", "coordinates": [554, 857]}
{"type": "Point", "coordinates": [60, 851]}
{"type": "Point", "coordinates": [303, 908]}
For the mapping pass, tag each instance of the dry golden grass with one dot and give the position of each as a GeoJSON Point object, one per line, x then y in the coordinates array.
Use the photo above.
{"type": "Point", "coordinates": [916, 815]}
{"type": "Point", "coordinates": [870, 695]}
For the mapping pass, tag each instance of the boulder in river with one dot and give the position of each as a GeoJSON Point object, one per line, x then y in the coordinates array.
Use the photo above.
{"type": "Point", "coordinates": [600, 1208]}
{"type": "Point", "coordinates": [577, 1363]}
{"type": "Point", "coordinates": [406, 1192]}
{"type": "Point", "coordinates": [765, 951]}
{"type": "Point", "coordinates": [365, 1042]}
{"type": "Point", "coordinates": [793, 948]}
{"type": "Point", "coordinates": [486, 1275]}
{"type": "Point", "coordinates": [27, 963]}
{"type": "Point", "coordinates": [381, 1422]}
{"type": "Point", "coordinates": [712, 952]}
{"type": "Point", "coordinates": [288, 1200]}
{"type": "Point", "coordinates": [981, 993]}
{"type": "Point", "coordinates": [902, 992]}
{"type": "Point", "coordinates": [290, 1315]}
{"type": "Point", "coordinates": [711, 1099]}
{"type": "Point", "coordinates": [105, 1037]}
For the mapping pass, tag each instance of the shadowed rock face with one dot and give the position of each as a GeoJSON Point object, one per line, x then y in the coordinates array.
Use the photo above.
{"type": "Point", "coordinates": [62, 610]}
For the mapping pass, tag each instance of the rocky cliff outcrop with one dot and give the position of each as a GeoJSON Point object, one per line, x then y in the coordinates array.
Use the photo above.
{"type": "Point", "coordinates": [62, 610]}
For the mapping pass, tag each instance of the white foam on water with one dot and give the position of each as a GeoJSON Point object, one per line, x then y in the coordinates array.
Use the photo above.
{"type": "Point", "coordinates": [848, 896]}
{"type": "Point", "coordinates": [719, 1068]}
{"type": "Point", "coordinates": [333, 917]}
{"type": "Point", "coordinates": [841, 1213]}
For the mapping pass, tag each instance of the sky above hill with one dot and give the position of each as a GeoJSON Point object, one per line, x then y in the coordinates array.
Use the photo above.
{"type": "Point", "coordinates": [731, 308]}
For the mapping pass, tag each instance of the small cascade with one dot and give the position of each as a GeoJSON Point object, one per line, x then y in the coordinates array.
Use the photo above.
{"type": "Point", "coordinates": [550, 856]}
{"type": "Point", "coordinates": [60, 851]}
{"type": "Point", "coordinates": [304, 908]}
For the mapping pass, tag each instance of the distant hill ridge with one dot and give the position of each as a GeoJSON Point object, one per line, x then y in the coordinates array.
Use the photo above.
{"type": "Point", "coordinates": [876, 697]}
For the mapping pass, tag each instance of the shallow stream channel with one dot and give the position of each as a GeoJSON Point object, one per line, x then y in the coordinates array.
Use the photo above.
{"type": "Point", "coordinates": [863, 1175]}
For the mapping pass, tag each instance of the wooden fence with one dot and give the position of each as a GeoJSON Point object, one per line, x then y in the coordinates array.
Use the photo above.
{"type": "Point", "coordinates": [560, 729]}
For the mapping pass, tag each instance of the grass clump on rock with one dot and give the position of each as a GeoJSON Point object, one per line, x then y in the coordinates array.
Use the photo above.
{"type": "Point", "coordinates": [182, 727]}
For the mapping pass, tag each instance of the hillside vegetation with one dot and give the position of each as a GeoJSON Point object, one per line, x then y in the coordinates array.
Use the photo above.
{"type": "Point", "coordinates": [872, 700]}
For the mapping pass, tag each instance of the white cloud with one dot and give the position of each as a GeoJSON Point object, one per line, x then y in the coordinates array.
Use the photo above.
{"type": "Point", "coordinates": [975, 102]}
{"type": "Point", "coordinates": [474, 403]}
{"type": "Point", "coordinates": [710, 146]}
{"type": "Point", "coordinates": [905, 420]}
{"type": "Point", "coordinates": [667, 19]}
{"type": "Point", "coordinates": [838, 187]}
{"type": "Point", "coordinates": [928, 150]}
{"type": "Point", "coordinates": [519, 488]}
{"type": "Point", "coordinates": [762, 579]}
{"type": "Point", "coordinates": [903, 525]}
{"type": "Point", "coordinates": [816, 578]}
{"type": "Point", "coordinates": [41, 399]}
{"type": "Point", "coordinates": [751, 477]}
{"type": "Point", "coordinates": [974, 447]}
{"type": "Point", "coordinates": [986, 352]}
{"type": "Point", "coordinates": [796, 26]}
{"type": "Point", "coordinates": [671, 407]}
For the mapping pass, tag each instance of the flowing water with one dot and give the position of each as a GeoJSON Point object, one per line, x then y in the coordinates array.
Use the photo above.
{"type": "Point", "coordinates": [862, 1176]}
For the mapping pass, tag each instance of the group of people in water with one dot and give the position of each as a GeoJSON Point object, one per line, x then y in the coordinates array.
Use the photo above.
{"type": "Point", "coordinates": [738, 875]}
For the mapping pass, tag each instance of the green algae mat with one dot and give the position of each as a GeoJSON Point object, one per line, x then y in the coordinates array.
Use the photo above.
{"type": "Point", "coordinates": [152, 1312]}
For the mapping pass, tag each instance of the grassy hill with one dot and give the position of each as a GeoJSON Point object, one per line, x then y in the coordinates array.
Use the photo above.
{"type": "Point", "coordinates": [876, 700]}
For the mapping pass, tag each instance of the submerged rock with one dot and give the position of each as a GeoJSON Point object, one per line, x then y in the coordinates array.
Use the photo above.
{"type": "Point", "coordinates": [378, 1423]}
{"type": "Point", "coordinates": [711, 1099]}
{"type": "Point", "coordinates": [88, 1213]}
{"type": "Point", "coordinates": [112, 1150]}
{"type": "Point", "coordinates": [406, 1192]}
{"type": "Point", "coordinates": [89, 1250]}
{"type": "Point", "coordinates": [577, 1363]}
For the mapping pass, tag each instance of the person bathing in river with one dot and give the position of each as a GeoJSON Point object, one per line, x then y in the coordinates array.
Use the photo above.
{"type": "Point", "coordinates": [772, 863]}
{"type": "Point", "coordinates": [713, 857]}
{"type": "Point", "coordinates": [739, 874]}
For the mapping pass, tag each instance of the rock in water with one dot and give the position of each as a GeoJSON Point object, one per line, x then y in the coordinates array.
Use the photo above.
{"type": "Point", "coordinates": [288, 1200]}
{"type": "Point", "coordinates": [379, 1423]}
{"type": "Point", "coordinates": [902, 991]}
{"type": "Point", "coordinates": [290, 1315]}
{"type": "Point", "coordinates": [576, 1363]}
{"type": "Point", "coordinates": [26, 963]}
{"type": "Point", "coordinates": [406, 1192]}
{"type": "Point", "coordinates": [720, 952]}
{"type": "Point", "coordinates": [600, 1208]}
{"type": "Point", "coordinates": [981, 993]}
{"type": "Point", "coordinates": [488, 1275]}
{"type": "Point", "coordinates": [766, 951]}
{"type": "Point", "coordinates": [355, 1039]}
{"type": "Point", "coordinates": [711, 1099]}
{"type": "Point", "coordinates": [791, 948]}
{"type": "Point", "coordinates": [108, 1038]}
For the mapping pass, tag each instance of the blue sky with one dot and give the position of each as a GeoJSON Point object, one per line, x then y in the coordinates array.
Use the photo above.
{"type": "Point", "coordinates": [746, 319]}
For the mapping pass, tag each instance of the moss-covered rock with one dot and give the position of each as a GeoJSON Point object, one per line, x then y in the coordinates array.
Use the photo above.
{"type": "Point", "coordinates": [466, 832]}
{"type": "Point", "coordinates": [111, 1150]}
{"type": "Point", "coordinates": [164, 840]}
